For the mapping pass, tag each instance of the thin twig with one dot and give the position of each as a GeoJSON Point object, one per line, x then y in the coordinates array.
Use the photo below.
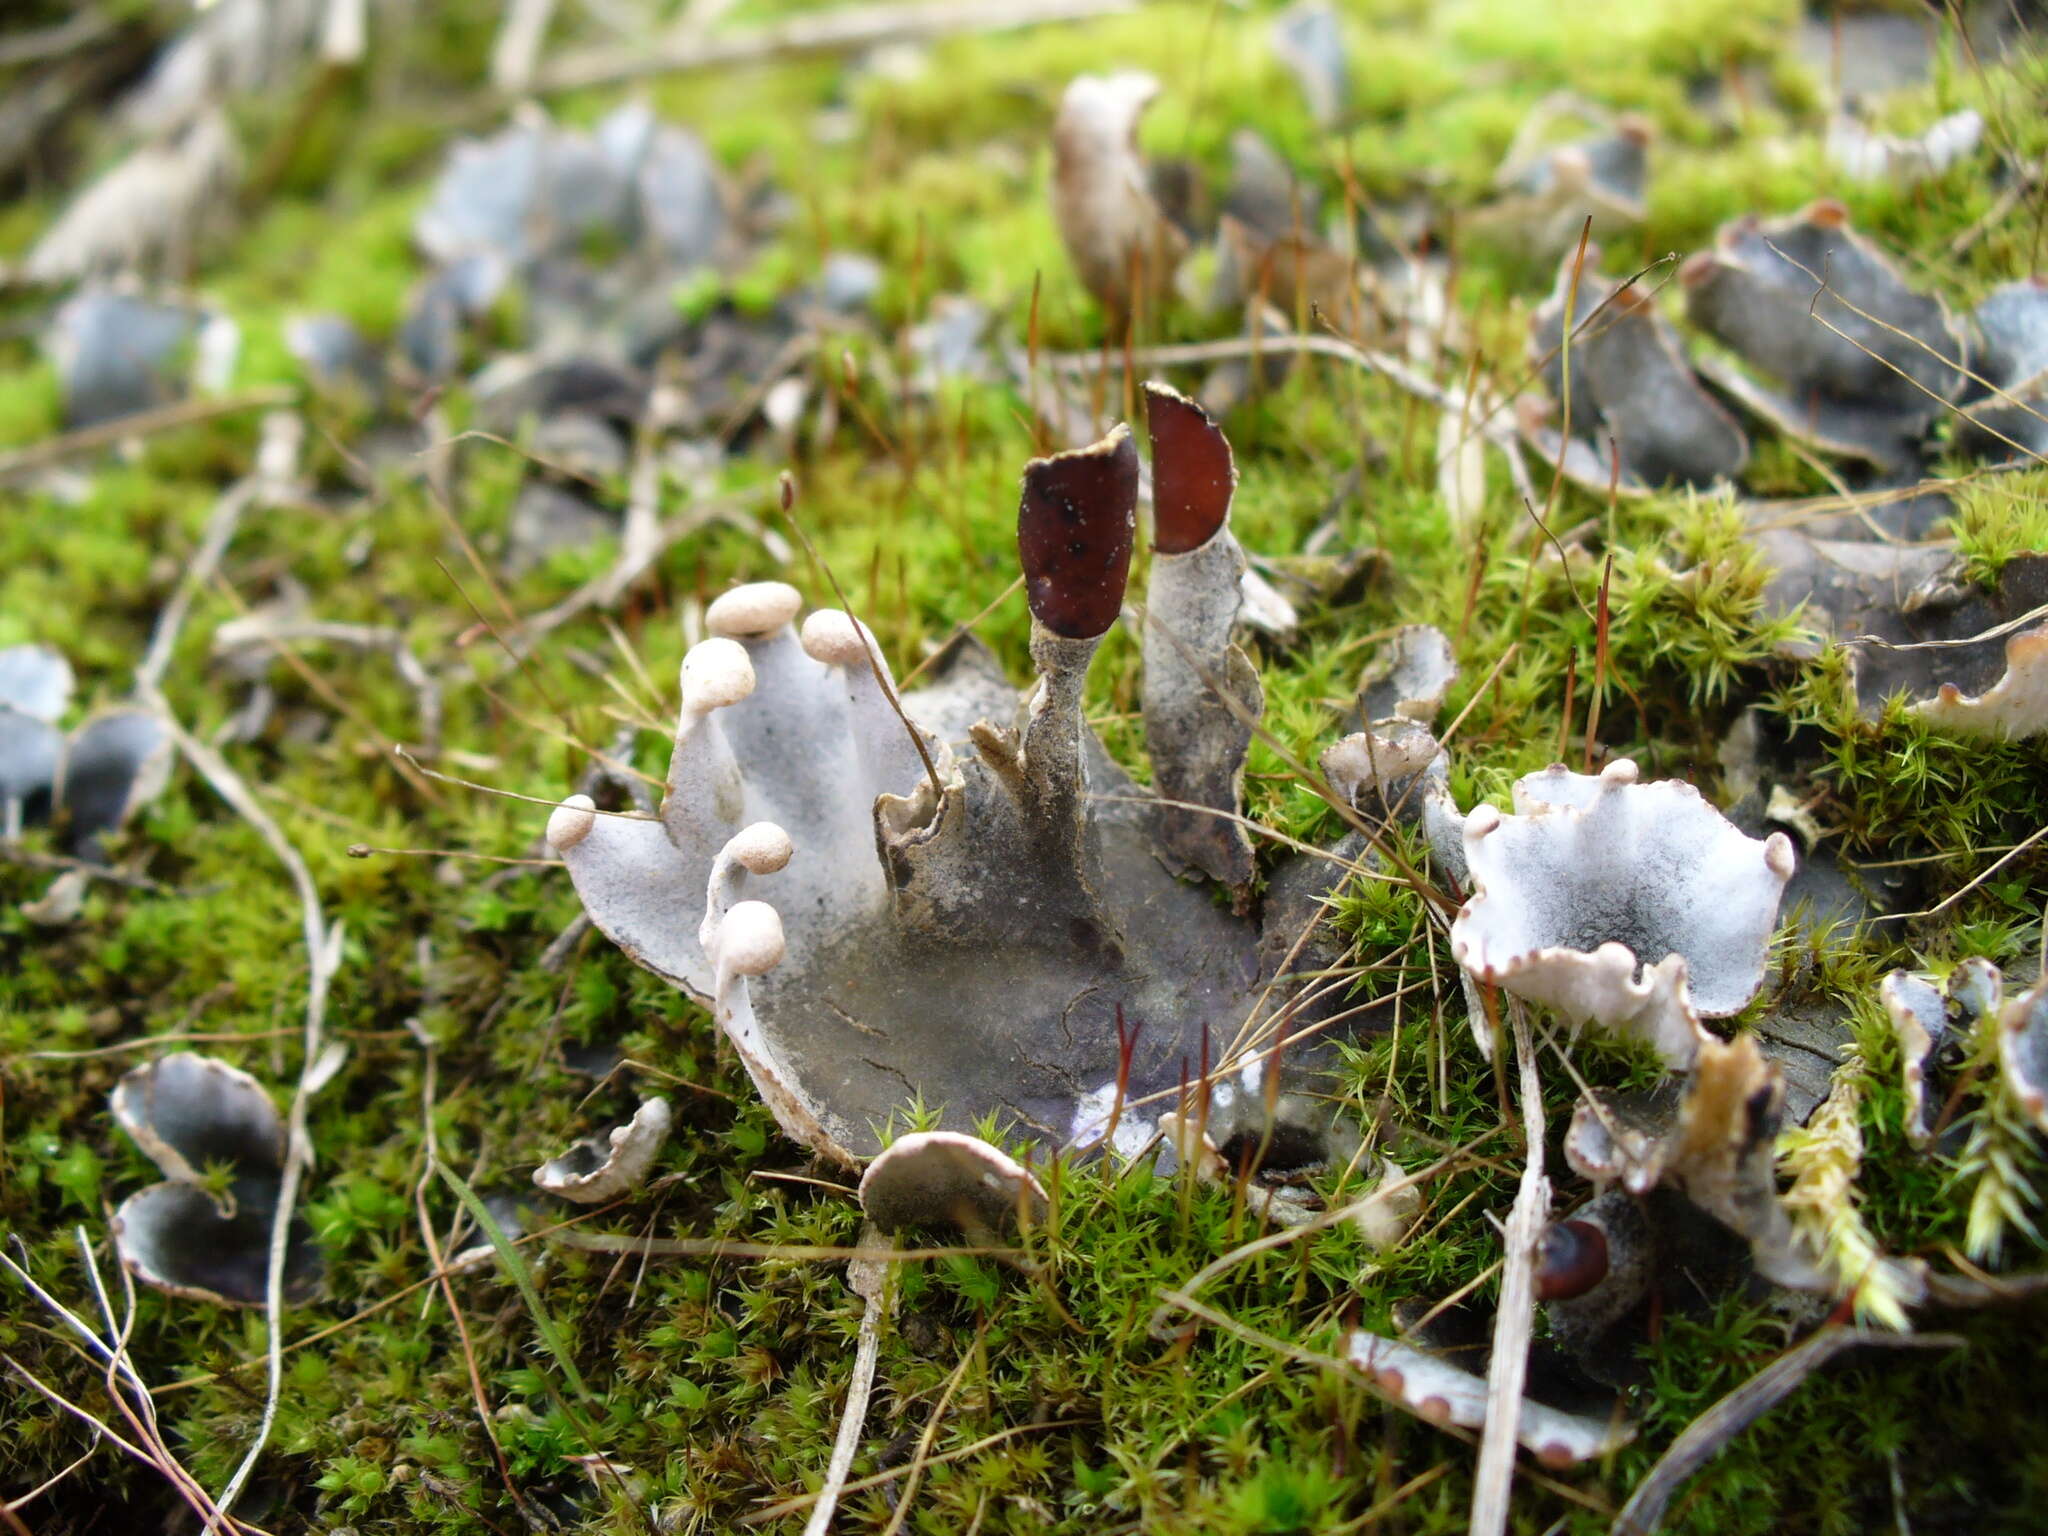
{"type": "Point", "coordinates": [721, 1248]}
{"type": "Point", "coordinates": [1508, 1370]}
{"type": "Point", "coordinates": [820, 32]}
{"type": "Point", "coordinates": [430, 1155]}
{"type": "Point", "coordinates": [1710, 1433]}
{"type": "Point", "coordinates": [876, 665]}
{"type": "Point", "coordinates": [1963, 890]}
{"type": "Point", "coordinates": [142, 424]}
{"type": "Point", "coordinates": [256, 629]}
{"type": "Point", "coordinates": [639, 548]}
{"type": "Point", "coordinates": [871, 1281]}
{"type": "Point", "coordinates": [148, 1446]}
{"type": "Point", "coordinates": [516, 50]}
{"type": "Point", "coordinates": [1233, 348]}
{"type": "Point", "coordinates": [45, 43]}
{"type": "Point", "coordinates": [213, 545]}
{"type": "Point", "coordinates": [151, 1042]}
{"type": "Point", "coordinates": [922, 1458]}
{"type": "Point", "coordinates": [36, 858]}
{"type": "Point", "coordinates": [802, 1501]}
{"type": "Point", "coordinates": [317, 1064]}
{"type": "Point", "coordinates": [460, 1264]}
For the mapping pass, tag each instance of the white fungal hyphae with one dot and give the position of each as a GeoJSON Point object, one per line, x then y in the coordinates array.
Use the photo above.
{"type": "Point", "coordinates": [601, 1168]}
{"type": "Point", "coordinates": [956, 893]}
{"type": "Point", "coordinates": [192, 1115]}
{"type": "Point", "coordinates": [1638, 907]}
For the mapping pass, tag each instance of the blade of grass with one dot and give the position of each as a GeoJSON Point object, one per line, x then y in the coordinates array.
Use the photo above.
{"type": "Point", "coordinates": [522, 1278]}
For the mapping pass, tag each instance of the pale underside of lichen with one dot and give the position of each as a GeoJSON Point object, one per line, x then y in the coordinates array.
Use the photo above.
{"type": "Point", "coordinates": [1638, 907]}
{"type": "Point", "coordinates": [1433, 1388]}
{"type": "Point", "coordinates": [601, 1168]}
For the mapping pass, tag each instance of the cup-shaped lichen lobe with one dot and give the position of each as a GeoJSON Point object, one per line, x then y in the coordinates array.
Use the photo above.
{"type": "Point", "coordinates": [2023, 1050]}
{"type": "Point", "coordinates": [1193, 476]}
{"type": "Point", "coordinates": [938, 1178]}
{"type": "Point", "coordinates": [190, 1113]}
{"type": "Point", "coordinates": [1076, 522]}
{"type": "Point", "coordinates": [197, 1117]}
{"type": "Point", "coordinates": [31, 761]}
{"type": "Point", "coordinates": [1590, 861]}
{"type": "Point", "coordinates": [115, 763]}
{"type": "Point", "coordinates": [178, 1238]}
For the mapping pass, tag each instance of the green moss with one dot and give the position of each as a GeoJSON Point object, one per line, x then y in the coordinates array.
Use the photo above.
{"type": "Point", "coordinates": [1998, 517]}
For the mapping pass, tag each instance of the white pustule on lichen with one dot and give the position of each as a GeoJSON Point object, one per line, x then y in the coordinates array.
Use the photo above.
{"type": "Point", "coordinates": [570, 822]}
{"type": "Point", "coordinates": [717, 674]}
{"type": "Point", "coordinates": [881, 743]}
{"type": "Point", "coordinates": [743, 938]}
{"type": "Point", "coordinates": [1637, 907]}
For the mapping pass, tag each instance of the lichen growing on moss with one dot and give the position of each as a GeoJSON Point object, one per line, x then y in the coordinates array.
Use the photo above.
{"type": "Point", "coordinates": [1052, 1400]}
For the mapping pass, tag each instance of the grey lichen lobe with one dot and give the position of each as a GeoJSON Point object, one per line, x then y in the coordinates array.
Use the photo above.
{"type": "Point", "coordinates": [963, 914]}
{"type": "Point", "coordinates": [205, 1232]}
{"type": "Point", "coordinates": [1637, 906]}
{"type": "Point", "coordinates": [1854, 360]}
{"type": "Point", "coordinates": [941, 1178]}
{"type": "Point", "coordinates": [1201, 692]}
{"type": "Point", "coordinates": [1629, 380]}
